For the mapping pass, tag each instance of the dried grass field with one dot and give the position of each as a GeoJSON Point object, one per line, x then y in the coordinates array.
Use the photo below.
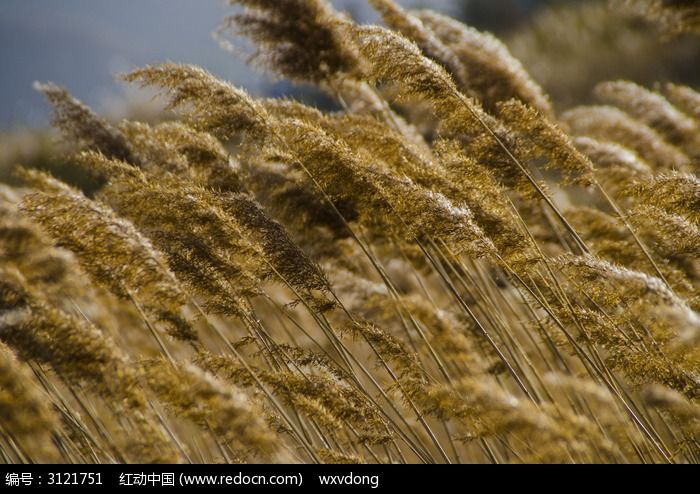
{"type": "Point", "coordinates": [444, 267]}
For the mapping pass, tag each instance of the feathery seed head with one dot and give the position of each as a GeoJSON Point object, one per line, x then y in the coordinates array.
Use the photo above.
{"type": "Point", "coordinates": [296, 39]}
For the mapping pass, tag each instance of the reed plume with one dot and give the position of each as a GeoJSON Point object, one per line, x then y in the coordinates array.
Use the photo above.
{"type": "Point", "coordinates": [414, 29]}
{"type": "Point", "coordinates": [611, 124]}
{"type": "Point", "coordinates": [684, 98]}
{"type": "Point", "coordinates": [296, 39]}
{"type": "Point", "coordinates": [214, 406]}
{"type": "Point", "coordinates": [81, 124]}
{"type": "Point", "coordinates": [654, 110]}
{"type": "Point", "coordinates": [108, 247]}
{"type": "Point", "coordinates": [492, 72]}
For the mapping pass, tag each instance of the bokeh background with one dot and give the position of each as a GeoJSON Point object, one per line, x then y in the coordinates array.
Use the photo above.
{"type": "Point", "coordinates": [83, 44]}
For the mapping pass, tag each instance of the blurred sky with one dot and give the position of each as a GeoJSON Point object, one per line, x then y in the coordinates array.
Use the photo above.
{"type": "Point", "coordinates": [82, 44]}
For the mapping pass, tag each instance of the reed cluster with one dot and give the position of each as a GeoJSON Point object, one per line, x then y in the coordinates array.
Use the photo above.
{"type": "Point", "coordinates": [442, 270]}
